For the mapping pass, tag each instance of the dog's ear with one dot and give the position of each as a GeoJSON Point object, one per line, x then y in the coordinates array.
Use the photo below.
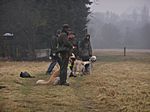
{"type": "Point", "coordinates": [82, 63]}
{"type": "Point", "coordinates": [86, 62]}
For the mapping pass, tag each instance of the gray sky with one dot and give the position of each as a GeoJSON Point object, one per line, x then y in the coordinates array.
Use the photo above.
{"type": "Point", "coordinates": [118, 6]}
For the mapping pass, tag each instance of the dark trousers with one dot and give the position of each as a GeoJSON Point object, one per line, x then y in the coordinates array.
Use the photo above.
{"type": "Point", "coordinates": [51, 66]}
{"type": "Point", "coordinates": [55, 59]}
{"type": "Point", "coordinates": [64, 59]}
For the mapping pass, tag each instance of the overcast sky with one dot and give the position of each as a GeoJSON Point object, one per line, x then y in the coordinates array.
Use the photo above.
{"type": "Point", "coordinates": [118, 6]}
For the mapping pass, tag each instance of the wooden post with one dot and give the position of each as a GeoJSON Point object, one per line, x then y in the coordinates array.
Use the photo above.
{"type": "Point", "coordinates": [124, 51]}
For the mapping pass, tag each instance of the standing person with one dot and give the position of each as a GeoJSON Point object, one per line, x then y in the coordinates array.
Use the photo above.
{"type": "Point", "coordinates": [86, 50]}
{"type": "Point", "coordinates": [73, 39]}
{"type": "Point", "coordinates": [64, 50]}
{"type": "Point", "coordinates": [53, 54]}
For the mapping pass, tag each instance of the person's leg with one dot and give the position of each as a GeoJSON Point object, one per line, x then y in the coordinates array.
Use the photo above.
{"type": "Point", "coordinates": [63, 68]}
{"type": "Point", "coordinates": [71, 68]}
{"type": "Point", "coordinates": [51, 66]}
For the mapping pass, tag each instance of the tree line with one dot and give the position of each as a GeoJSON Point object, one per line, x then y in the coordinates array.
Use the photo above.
{"type": "Point", "coordinates": [112, 31]}
{"type": "Point", "coordinates": [34, 22]}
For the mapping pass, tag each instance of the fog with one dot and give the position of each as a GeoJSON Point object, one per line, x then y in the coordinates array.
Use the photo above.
{"type": "Point", "coordinates": [120, 23]}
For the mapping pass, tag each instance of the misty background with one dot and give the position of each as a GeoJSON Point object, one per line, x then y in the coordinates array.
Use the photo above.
{"type": "Point", "coordinates": [120, 23]}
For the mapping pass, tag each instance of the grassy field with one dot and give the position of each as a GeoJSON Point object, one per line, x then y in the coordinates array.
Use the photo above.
{"type": "Point", "coordinates": [117, 84]}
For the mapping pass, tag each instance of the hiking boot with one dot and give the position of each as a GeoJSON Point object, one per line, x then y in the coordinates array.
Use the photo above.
{"type": "Point", "coordinates": [65, 84]}
{"type": "Point", "coordinates": [72, 75]}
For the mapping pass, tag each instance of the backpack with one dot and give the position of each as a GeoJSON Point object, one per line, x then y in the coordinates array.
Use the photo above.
{"type": "Point", "coordinates": [26, 75]}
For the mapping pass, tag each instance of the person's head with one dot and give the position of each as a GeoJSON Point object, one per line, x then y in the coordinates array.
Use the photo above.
{"type": "Point", "coordinates": [87, 37]}
{"type": "Point", "coordinates": [58, 33]}
{"type": "Point", "coordinates": [65, 27]}
{"type": "Point", "coordinates": [71, 35]}
{"type": "Point", "coordinates": [69, 30]}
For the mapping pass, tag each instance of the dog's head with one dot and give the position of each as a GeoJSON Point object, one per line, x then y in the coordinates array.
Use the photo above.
{"type": "Point", "coordinates": [92, 59]}
{"type": "Point", "coordinates": [72, 58]}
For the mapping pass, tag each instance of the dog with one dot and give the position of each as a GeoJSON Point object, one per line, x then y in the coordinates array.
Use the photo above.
{"type": "Point", "coordinates": [92, 60]}
{"type": "Point", "coordinates": [54, 78]}
{"type": "Point", "coordinates": [78, 69]}
{"type": "Point", "coordinates": [78, 65]}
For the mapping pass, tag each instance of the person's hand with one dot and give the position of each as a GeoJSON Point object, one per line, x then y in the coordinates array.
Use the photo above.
{"type": "Point", "coordinates": [54, 54]}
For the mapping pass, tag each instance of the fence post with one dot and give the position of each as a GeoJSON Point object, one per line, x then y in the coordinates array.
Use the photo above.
{"type": "Point", "coordinates": [124, 51]}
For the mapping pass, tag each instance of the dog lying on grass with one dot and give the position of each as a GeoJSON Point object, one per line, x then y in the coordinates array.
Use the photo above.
{"type": "Point", "coordinates": [78, 69]}
{"type": "Point", "coordinates": [54, 78]}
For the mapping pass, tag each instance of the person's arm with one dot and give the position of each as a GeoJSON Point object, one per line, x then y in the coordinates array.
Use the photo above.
{"type": "Point", "coordinates": [80, 47]}
{"type": "Point", "coordinates": [90, 49]}
{"type": "Point", "coordinates": [67, 43]}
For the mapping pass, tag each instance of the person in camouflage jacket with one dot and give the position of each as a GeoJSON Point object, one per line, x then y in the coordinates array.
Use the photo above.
{"type": "Point", "coordinates": [64, 50]}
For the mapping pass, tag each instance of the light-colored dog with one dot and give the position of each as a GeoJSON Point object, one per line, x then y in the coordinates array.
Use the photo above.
{"type": "Point", "coordinates": [54, 78]}
{"type": "Point", "coordinates": [92, 60]}
{"type": "Point", "coordinates": [78, 69]}
{"type": "Point", "coordinates": [78, 66]}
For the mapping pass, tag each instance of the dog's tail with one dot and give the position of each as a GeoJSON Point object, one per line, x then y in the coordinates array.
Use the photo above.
{"type": "Point", "coordinates": [42, 82]}
{"type": "Point", "coordinates": [52, 80]}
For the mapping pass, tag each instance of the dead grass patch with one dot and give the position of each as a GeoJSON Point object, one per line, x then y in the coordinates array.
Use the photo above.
{"type": "Point", "coordinates": [114, 86]}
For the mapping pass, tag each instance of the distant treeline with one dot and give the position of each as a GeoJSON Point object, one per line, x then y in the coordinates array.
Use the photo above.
{"type": "Point", "coordinates": [34, 22]}
{"type": "Point", "coordinates": [131, 30]}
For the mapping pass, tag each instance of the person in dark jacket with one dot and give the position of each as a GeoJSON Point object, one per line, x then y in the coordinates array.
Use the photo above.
{"type": "Point", "coordinates": [64, 50]}
{"type": "Point", "coordinates": [72, 38]}
{"type": "Point", "coordinates": [85, 50]}
{"type": "Point", "coordinates": [53, 54]}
